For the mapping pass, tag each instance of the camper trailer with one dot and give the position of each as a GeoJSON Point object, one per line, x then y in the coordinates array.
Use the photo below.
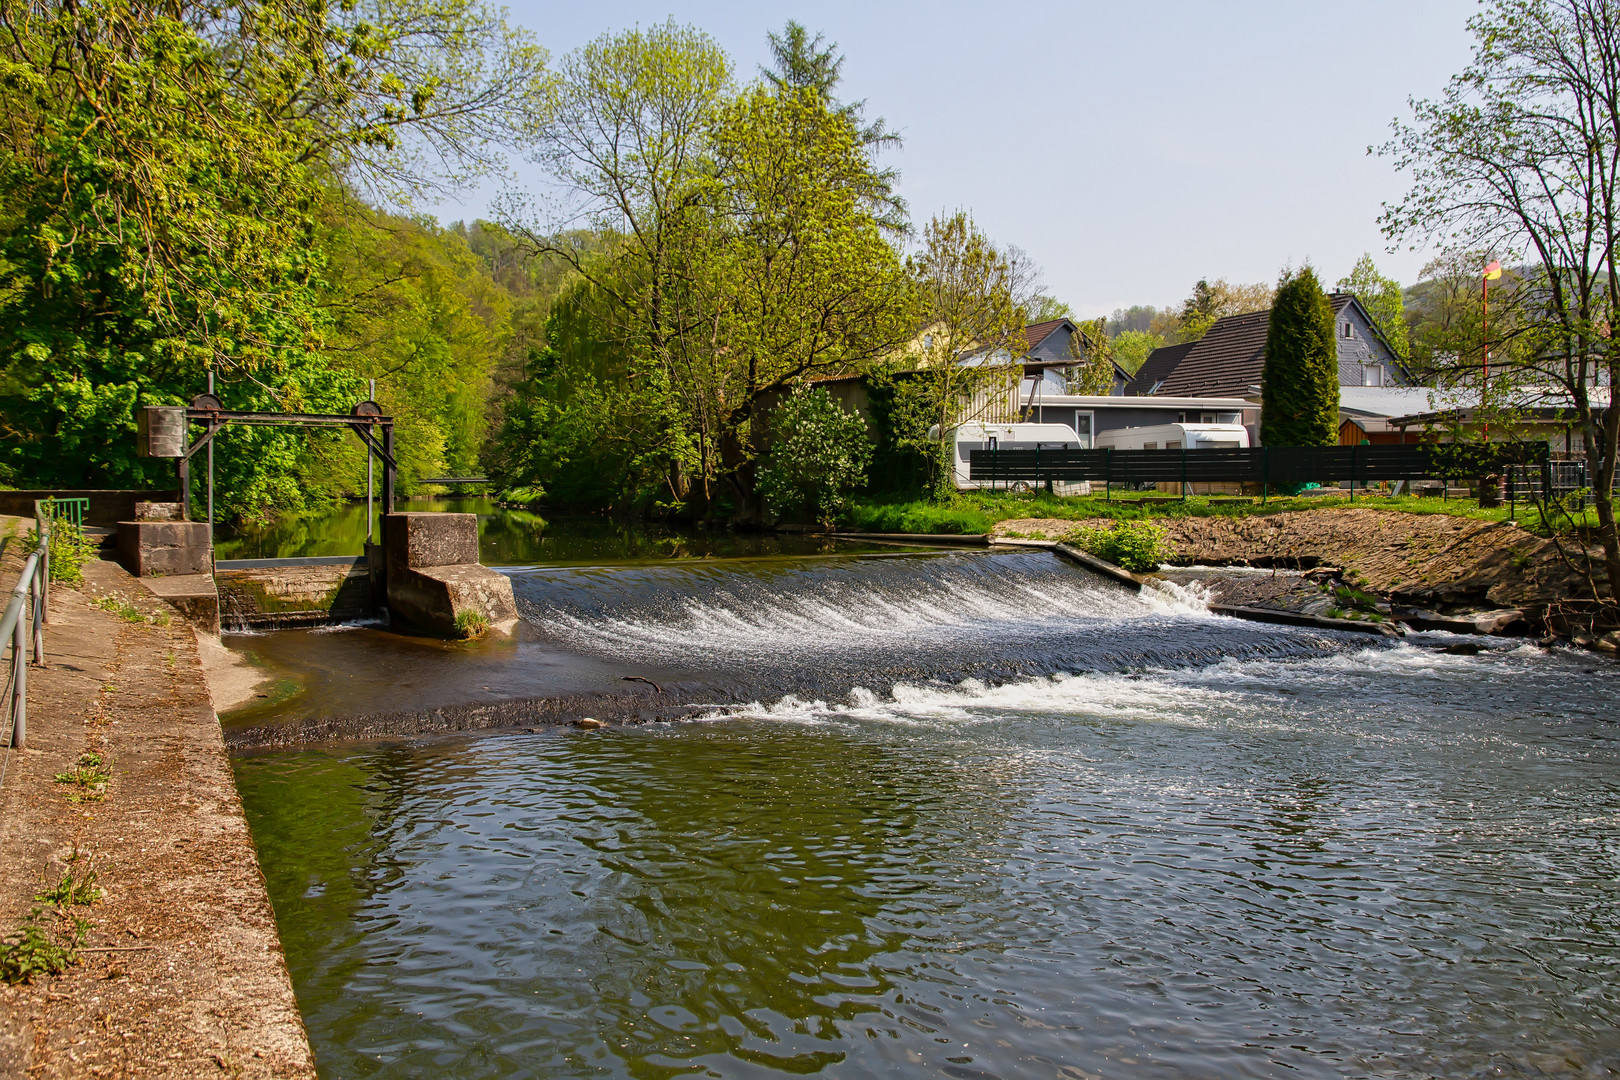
{"type": "Point", "coordinates": [1177, 437]}
{"type": "Point", "coordinates": [977, 436]}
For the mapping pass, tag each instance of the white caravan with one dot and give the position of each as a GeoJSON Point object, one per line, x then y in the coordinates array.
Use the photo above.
{"type": "Point", "coordinates": [978, 436]}
{"type": "Point", "coordinates": [1176, 437]}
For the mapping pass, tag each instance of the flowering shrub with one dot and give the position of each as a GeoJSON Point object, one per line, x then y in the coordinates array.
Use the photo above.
{"type": "Point", "coordinates": [819, 455]}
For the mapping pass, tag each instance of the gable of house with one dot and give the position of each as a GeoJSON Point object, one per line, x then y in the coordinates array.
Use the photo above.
{"type": "Point", "coordinates": [1230, 359]}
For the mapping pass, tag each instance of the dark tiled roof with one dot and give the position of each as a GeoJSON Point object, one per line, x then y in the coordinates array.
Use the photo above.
{"type": "Point", "coordinates": [1229, 359]}
{"type": "Point", "coordinates": [1157, 368]}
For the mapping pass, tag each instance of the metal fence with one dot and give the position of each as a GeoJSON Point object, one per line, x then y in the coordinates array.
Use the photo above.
{"type": "Point", "coordinates": [1267, 466]}
{"type": "Point", "coordinates": [23, 625]}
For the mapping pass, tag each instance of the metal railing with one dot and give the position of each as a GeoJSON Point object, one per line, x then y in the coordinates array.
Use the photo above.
{"type": "Point", "coordinates": [23, 624]}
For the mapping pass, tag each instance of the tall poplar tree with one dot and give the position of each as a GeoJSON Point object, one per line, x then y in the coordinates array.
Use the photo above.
{"type": "Point", "coordinates": [1300, 385]}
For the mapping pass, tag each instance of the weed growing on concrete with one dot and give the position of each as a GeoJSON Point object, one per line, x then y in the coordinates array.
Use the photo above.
{"type": "Point", "coordinates": [30, 950]}
{"type": "Point", "coordinates": [89, 775]}
{"type": "Point", "coordinates": [471, 624]}
{"type": "Point", "coordinates": [73, 892]}
{"type": "Point", "coordinates": [121, 607]}
{"type": "Point", "coordinates": [70, 550]}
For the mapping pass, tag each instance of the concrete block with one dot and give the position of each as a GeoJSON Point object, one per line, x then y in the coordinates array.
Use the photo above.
{"type": "Point", "coordinates": [165, 547]}
{"type": "Point", "coordinates": [432, 598]}
{"type": "Point", "coordinates": [413, 541]}
{"type": "Point", "coordinates": [194, 596]}
{"type": "Point", "coordinates": [282, 596]}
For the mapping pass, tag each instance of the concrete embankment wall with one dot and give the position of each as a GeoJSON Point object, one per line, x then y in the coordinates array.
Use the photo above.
{"type": "Point", "coordinates": [180, 969]}
{"type": "Point", "coordinates": [284, 596]}
{"type": "Point", "coordinates": [108, 506]}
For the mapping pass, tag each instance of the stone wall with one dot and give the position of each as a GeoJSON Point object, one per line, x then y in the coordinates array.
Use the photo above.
{"type": "Point", "coordinates": [271, 597]}
{"type": "Point", "coordinates": [108, 506]}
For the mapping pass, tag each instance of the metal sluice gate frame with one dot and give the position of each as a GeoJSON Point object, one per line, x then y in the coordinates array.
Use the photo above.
{"type": "Point", "coordinates": [164, 431]}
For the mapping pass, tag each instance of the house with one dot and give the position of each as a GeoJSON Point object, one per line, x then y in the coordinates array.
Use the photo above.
{"type": "Point", "coordinates": [1229, 360]}
{"type": "Point", "coordinates": [1050, 359]}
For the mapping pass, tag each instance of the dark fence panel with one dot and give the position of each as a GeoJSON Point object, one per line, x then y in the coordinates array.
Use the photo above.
{"type": "Point", "coordinates": [1279, 465]}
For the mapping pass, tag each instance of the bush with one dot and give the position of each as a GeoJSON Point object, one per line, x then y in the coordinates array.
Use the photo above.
{"type": "Point", "coordinates": [819, 455]}
{"type": "Point", "coordinates": [70, 550]}
{"type": "Point", "coordinates": [1137, 546]}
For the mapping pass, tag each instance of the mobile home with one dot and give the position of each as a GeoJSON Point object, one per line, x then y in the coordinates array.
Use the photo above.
{"type": "Point", "coordinates": [977, 436]}
{"type": "Point", "coordinates": [1177, 437]}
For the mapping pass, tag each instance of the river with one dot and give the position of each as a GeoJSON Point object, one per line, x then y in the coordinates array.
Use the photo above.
{"type": "Point", "coordinates": [966, 815]}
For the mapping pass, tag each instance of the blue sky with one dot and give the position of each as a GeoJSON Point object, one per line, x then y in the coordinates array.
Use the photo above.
{"type": "Point", "coordinates": [1131, 148]}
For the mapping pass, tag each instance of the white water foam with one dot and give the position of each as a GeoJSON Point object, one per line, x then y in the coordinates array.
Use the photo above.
{"type": "Point", "coordinates": [807, 617]}
{"type": "Point", "coordinates": [1233, 688]}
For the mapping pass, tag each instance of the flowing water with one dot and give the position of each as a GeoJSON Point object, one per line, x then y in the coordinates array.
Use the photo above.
{"type": "Point", "coordinates": [960, 815]}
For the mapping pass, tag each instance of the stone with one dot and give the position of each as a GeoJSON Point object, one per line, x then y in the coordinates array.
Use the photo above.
{"type": "Point", "coordinates": [1608, 643]}
{"type": "Point", "coordinates": [165, 547]}
{"type": "Point", "coordinates": [589, 722]}
{"type": "Point", "coordinates": [157, 511]}
{"type": "Point", "coordinates": [412, 541]}
{"type": "Point", "coordinates": [1496, 622]}
{"type": "Point", "coordinates": [432, 597]}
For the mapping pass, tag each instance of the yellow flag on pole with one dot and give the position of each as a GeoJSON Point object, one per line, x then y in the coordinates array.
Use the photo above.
{"type": "Point", "coordinates": [1493, 271]}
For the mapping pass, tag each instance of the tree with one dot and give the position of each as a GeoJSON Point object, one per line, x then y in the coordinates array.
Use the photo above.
{"type": "Point", "coordinates": [819, 455]}
{"type": "Point", "coordinates": [1521, 156]}
{"type": "Point", "coordinates": [1133, 347]}
{"type": "Point", "coordinates": [1209, 303]}
{"type": "Point", "coordinates": [1382, 298]}
{"type": "Point", "coordinates": [164, 169]}
{"type": "Point", "coordinates": [1300, 384]}
{"type": "Point", "coordinates": [1043, 308]}
{"type": "Point", "coordinates": [1091, 347]}
{"type": "Point", "coordinates": [969, 362]}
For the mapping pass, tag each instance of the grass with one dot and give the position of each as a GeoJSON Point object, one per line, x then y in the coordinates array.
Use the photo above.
{"type": "Point", "coordinates": [121, 607]}
{"type": "Point", "coordinates": [979, 511]}
{"type": "Point", "coordinates": [71, 891]}
{"type": "Point", "coordinates": [471, 624]}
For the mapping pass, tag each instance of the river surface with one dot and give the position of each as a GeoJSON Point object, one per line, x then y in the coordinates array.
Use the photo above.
{"type": "Point", "coordinates": [985, 816]}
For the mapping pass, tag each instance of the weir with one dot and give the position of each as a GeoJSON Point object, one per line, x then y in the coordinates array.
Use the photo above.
{"type": "Point", "coordinates": [425, 575]}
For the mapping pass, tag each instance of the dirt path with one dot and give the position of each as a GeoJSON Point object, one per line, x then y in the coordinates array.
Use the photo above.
{"type": "Point", "coordinates": [191, 981]}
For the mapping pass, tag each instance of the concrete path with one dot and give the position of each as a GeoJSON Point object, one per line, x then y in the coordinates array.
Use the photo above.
{"type": "Point", "coordinates": [187, 978]}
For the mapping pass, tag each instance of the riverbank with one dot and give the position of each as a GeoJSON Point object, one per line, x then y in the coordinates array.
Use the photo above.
{"type": "Point", "coordinates": [126, 786]}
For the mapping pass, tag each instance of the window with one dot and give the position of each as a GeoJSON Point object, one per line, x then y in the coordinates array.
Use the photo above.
{"type": "Point", "coordinates": [1173, 445]}
{"type": "Point", "coordinates": [1348, 332]}
{"type": "Point", "coordinates": [928, 341]}
{"type": "Point", "coordinates": [1150, 446]}
{"type": "Point", "coordinates": [1372, 375]}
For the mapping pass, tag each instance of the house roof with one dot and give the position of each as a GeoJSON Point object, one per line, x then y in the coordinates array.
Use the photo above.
{"type": "Point", "coordinates": [1231, 357]}
{"type": "Point", "coordinates": [1035, 333]}
{"type": "Point", "coordinates": [1157, 368]}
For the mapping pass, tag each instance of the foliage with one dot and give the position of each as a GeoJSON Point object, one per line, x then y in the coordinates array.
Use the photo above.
{"type": "Point", "coordinates": [1520, 156]}
{"type": "Point", "coordinates": [70, 550]}
{"type": "Point", "coordinates": [1208, 303]}
{"type": "Point", "coordinates": [1300, 382]}
{"type": "Point", "coordinates": [1133, 347]}
{"type": "Point", "coordinates": [471, 624]}
{"type": "Point", "coordinates": [30, 951]}
{"type": "Point", "coordinates": [967, 365]}
{"type": "Point", "coordinates": [1137, 546]}
{"type": "Point", "coordinates": [1091, 346]}
{"type": "Point", "coordinates": [927, 516]}
{"type": "Point", "coordinates": [1382, 298]}
{"type": "Point", "coordinates": [819, 455]}
{"type": "Point", "coordinates": [163, 170]}
{"type": "Point", "coordinates": [73, 891]}
{"type": "Point", "coordinates": [749, 252]}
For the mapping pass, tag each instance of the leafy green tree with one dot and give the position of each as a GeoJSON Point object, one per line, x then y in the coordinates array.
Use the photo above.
{"type": "Point", "coordinates": [163, 168]}
{"type": "Point", "coordinates": [819, 456]}
{"type": "Point", "coordinates": [1384, 301]}
{"type": "Point", "coordinates": [1043, 308]}
{"type": "Point", "coordinates": [1133, 347]}
{"type": "Point", "coordinates": [967, 367]}
{"type": "Point", "coordinates": [1095, 353]}
{"type": "Point", "coordinates": [1521, 156]}
{"type": "Point", "coordinates": [1300, 384]}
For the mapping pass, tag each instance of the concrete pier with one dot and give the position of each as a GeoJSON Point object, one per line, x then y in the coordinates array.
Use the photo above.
{"type": "Point", "coordinates": [181, 971]}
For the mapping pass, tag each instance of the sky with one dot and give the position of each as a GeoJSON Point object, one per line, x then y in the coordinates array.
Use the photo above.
{"type": "Point", "coordinates": [1130, 148]}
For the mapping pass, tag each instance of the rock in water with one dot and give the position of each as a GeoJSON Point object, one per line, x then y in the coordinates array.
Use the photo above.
{"type": "Point", "coordinates": [588, 722]}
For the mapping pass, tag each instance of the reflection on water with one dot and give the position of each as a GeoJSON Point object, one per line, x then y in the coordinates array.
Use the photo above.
{"type": "Point", "coordinates": [1336, 859]}
{"type": "Point", "coordinates": [515, 537]}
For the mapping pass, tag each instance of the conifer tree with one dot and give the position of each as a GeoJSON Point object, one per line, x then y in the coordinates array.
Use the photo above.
{"type": "Point", "coordinates": [1300, 386]}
